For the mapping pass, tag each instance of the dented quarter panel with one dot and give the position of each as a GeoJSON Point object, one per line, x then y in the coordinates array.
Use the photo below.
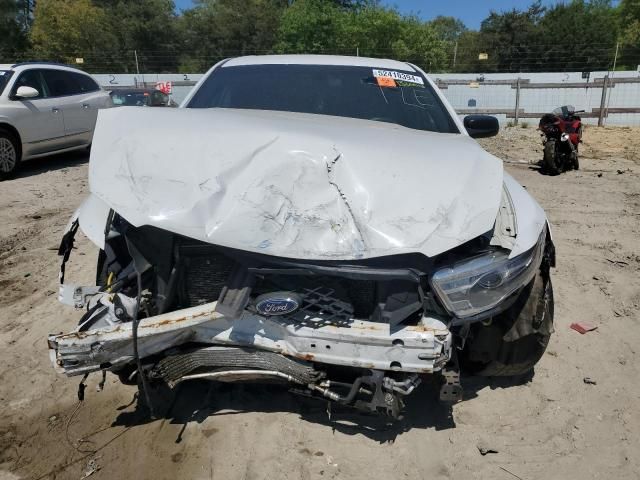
{"type": "Point", "coordinates": [294, 185]}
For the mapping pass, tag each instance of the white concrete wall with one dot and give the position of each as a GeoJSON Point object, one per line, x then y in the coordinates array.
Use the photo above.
{"type": "Point", "coordinates": [623, 95]}
{"type": "Point", "coordinates": [108, 81]}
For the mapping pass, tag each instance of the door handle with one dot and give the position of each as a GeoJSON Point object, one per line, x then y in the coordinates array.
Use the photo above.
{"type": "Point", "coordinates": [86, 105]}
{"type": "Point", "coordinates": [55, 109]}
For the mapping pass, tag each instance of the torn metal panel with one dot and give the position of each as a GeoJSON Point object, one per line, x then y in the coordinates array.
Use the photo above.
{"type": "Point", "coordinates": [92, 215]}
{"type": "Point", "coordinates": [75, 295]}
{"type": "Point", "coordinates": [259, 181]}
{"type": "Point", "coordinates": [530, 216]}
{"type": "Point", "coordinates": [420, 348]}
{"type": "Point", "coordinates": [506, 228]}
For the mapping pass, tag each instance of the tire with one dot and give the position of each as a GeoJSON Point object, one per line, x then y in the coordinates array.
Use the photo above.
{"type": "Point", "coordinates": [549, 159]}
{"type": "Point", "coordinates": [10, 154]}
{"type": "Point", "coordinates": [515, 340]}
{"type": "Point", "coordinates": [576, 162]}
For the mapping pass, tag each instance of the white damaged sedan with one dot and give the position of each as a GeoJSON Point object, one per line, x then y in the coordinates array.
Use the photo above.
{"type": "Point", "coordinates": [327, 222]}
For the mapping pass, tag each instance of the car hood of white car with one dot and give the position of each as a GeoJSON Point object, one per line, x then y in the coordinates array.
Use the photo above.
{"type": "Point", "coordinates": [294, 185]}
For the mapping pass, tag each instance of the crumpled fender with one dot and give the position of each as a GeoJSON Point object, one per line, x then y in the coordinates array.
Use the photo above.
{"type": "Point", "coordinates": [92, 215]}
{"type": "Point", "coordinates": [530, 217]}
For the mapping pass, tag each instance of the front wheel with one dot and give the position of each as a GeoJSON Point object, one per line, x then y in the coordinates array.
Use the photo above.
{"type": "Point", "coordinates": [514, 341]}
{"type": "Point", "coordinates": [551, 157]}
{"type": "Point", "coordinates": [9, 154]}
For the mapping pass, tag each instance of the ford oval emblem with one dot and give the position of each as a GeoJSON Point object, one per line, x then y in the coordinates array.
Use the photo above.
{"type": "Point", "coordinates": [278, 303]}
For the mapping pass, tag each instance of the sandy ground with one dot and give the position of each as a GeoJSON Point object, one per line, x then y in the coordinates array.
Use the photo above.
{"type": "Point", "coordinates": [555, 426]}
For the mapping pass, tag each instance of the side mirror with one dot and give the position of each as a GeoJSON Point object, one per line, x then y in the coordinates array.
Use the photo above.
{"type": "Point", "coordinates": [481, 126]}
{"type": "Point", "coordinates": [27, 92]}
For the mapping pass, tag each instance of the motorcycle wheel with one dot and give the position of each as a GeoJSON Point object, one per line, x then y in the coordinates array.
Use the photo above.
{"type": "Point", "coordinates": [550, 156]}
{"type": "Point", "coordinates": [576, 162]}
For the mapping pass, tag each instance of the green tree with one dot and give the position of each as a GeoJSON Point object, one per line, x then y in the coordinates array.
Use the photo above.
{"type": "Point", "coordinates": [593, 24]}
{"type": "Point", "coordinates": [470, 44]}
{"type": "Point", "coordinates": [507, 38]}
{"type": "Point", "coordinates": [574, 36]}
{"type": "Point", "coordinates": [216, 29]}
{"type": "Point", "coordinates": [448, 29]}
{"type": "Point", "coordinates": [148, 27]}
{"type": "Point", "coordinates": [425, 48]}
{"type": "Point", "coordinates": [311, 26]}
{"type": "Point", "coordinates": [13, 29]}
{"type": "Point", "coordinates": [366, 28]}
{"type": "Point", "coordinates": [629, 21]}
{"type": "Point", "coordinates": [371, 30]}
{"type": "Point", "coordinates": [64, 30]}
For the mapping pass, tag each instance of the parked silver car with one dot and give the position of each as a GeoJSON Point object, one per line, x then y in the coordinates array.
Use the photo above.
{"type": "Point", "coordinates": [45, 108]}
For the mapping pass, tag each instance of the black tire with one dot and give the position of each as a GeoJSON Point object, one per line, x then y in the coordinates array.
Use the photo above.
{"type": "Point", "coordinates": [515, 340]}
{"type": "Point", "coordinates": [576, 162]}
{"type": "Point", "coordinates": [10, 154]}
{"type": "Point", "coordinates": [549, 159]}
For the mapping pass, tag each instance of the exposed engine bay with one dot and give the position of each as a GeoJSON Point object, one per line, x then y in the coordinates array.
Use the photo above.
{"type": "Point", "coordinates": [362, 333]}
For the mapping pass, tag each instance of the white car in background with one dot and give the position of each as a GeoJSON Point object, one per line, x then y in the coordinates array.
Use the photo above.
{"type": "Point", "coordinates": [45, 108]}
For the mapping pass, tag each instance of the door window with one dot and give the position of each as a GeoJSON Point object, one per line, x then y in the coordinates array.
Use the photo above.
{"type": "Point", "coordinates": [33, 79]}
{"type": "Point", "coordinates": [85, 82]}
{"type": "Point", "coordinates": [5, 75]}
{"type": "Point", "coordinates": [61, 83]}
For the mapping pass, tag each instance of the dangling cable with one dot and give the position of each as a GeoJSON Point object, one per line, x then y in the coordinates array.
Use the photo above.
{"type": "Point", "coordinates": [136, 321]}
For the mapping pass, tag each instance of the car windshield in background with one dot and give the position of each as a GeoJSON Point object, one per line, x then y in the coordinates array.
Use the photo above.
{"type": "Point", "coordinates": [130, 99]}
{"type": "Point", "coordinates": [4, 78]}
{"type": "Point", "coordinates": [400, 97]}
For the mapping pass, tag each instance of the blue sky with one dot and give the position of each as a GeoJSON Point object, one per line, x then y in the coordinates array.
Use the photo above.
{"type": "Point", "coordinates": [471, 12]}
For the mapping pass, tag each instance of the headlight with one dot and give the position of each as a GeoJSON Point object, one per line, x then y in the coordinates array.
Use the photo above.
{"type": "Point", "coordinates": [478, 285]}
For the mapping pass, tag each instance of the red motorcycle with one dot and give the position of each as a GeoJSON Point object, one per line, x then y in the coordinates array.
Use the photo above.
{"type": "Point", "coordinates": [562, 132]}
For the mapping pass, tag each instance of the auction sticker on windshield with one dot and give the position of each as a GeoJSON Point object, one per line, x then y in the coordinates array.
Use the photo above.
{"type": "Point", "coordinates": [405, 77]}
{"type": "Point", "coordinates": [385, 82]}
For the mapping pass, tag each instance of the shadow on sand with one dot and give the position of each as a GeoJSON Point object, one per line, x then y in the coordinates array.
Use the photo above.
{"type": "Point", "coordinates": [195, 401]}
{"type": "Point", "coordinates": [36, 166]}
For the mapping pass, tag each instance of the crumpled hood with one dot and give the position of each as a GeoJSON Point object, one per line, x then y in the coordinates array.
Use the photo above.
{"type": "Point", "coordinates": [294, 185]}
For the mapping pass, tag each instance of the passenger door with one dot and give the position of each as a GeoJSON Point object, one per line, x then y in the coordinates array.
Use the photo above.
{"type": "Point", "coordinates": [39, 120]}
{"type": "Point", "coordinates": [78, 105]}
{"type": "Point", "coordinates": [91, 98]}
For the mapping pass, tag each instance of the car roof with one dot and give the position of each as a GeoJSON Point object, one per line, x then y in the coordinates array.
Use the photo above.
{"type": "Point", "coordinates": [53, 65]}
{"type": "Point", "coordinates": [319, 60]}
